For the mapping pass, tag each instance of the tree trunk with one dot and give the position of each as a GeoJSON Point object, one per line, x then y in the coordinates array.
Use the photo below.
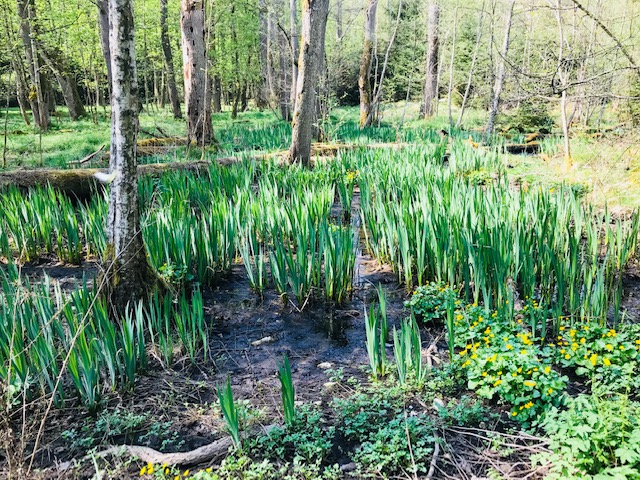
{"type": "Point", "coordinates": [465, 98]}
{"type": "Point", "coordinates": [453, 56]}
{"type": "Point", "coordinates": [130, 277]}
{"type": "Point", "coordinates": [196, 92]}
{"type": "Point", "coordinates": [21, 88]}
{"type": "Point", "coordinates": [264, 88]}
{"type": "Point", "coordinates": [217, 94]}
{"type": "Point", "coordinates": [339, 20]}
{"type": "Point", "coordinates": [67, 83]}
{"type": "Point", "coordinates": [430, 96]}
{"type": "Point", "coordinates": [103, 26]}
{"type": "Point", "coordinates": [168, 61]}
{"type": "Point", "coordinates": [364, 78]}
{"type": "Point", "coordinates": [293, 35]}
{"type": "Point", "coordinates": [314, 23]}
{"type": "Point", "coordinates": [502, 71]}
{"type": "Point", "coordinates": [285, 104]}
{"type": "Point", "coordinates": [37, 92]}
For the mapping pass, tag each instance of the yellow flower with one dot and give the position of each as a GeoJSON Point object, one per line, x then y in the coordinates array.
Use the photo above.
{"type": "Point", "coordinates": [593, 359]}
{"type": "Point", "coordinates": [609, 347]}
{"type": "Point", "coordinates": [621, 347]}
{"type": "Point", "coordinates": [547, 370]}
{"type": "Point", "coordinates": [208, 470]}
{"type": "Point", "coordinates": [519, 369]}
{"type": "Point", "coordinates": [550, 391]}
{"type": "Point", "coordinates": [514, 414]}
{"type": "Point", "coordinates": [143, 471]}
{"type": "Point", "coordinates": [497, 382]}
{"type": "Point", "coordinates": [509, 346]}
{"type": "Point", "coordinates": [567, 356]}
{"type": "Point", "coordinates": [606, 362]}
{"type": "Point", "coordinates": [484, 374]}
{"type": "Point", "coordinates": [523, 352]}
{"type": "Point", "coordinates": [186, 473]}
{"type": "Point", "coordinates": [500, 372]}
{"type": "Point", "coordinates": [529, 383]}
{"type": "Point", "coordinates": [474, 356]}
{"type": "Point", "coordinates": [529, 404]}
{"type": "Point", "coordinates": [166, 471]}
{"type": "Point", "coordinates": [463, 353]}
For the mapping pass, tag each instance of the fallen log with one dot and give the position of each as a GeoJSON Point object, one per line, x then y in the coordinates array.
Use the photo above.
{"type": "Point", "coordinates": [81, 184]}
{"type": "Point", "coordinates": [522, 148]}
{"type": "Point", "coordinates": [212, 453]}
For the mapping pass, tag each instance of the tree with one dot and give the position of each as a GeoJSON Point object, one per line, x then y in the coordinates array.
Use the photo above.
{"type": "Point", "coordinates": [168, 61]}
{"type": "Point", "coordinates": [502, 71]}
{"type": "Point", "coordinates": [38, 94]}
{"type": "Point", "coordinates": [314, 23]}
{"type": "Point", "coordinates": [293, 36]}
{"type": "Point", "coordinates": [197, 87]}
{"type": "Point", "coordinates": [127, 268]}
{"type": "Point", "coordinates": [364, 78]}
{"type": "Point", "coordinates": [430, 95]}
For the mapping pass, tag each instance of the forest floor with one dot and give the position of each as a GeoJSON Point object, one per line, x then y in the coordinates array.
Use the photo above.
{"type": "Point", "coordinates": [176, 409]}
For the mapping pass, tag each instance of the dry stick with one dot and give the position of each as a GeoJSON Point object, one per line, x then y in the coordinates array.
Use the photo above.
{"type": "Point", "coordinates": [434, 461]}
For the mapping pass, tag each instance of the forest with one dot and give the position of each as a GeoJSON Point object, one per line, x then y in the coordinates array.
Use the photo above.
{"type": "Point", "coordinates": [319, 239]}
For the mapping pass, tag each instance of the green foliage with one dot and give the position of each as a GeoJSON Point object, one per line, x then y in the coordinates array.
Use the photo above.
{"type": "Point", "coordinates": [531, 116]}
{"type": "Point", "coordinates": [595, 437]}
{"type": "Point", "coordinates": [502, 361]}
{"type": "Point", "coordinates": [429, 302]}
{"type": "Point", "coordinates": [230, 413]}
{"type": "Point", "coordinates": [306, 439]}
{"type": "Point", "coordinates": [606, 356]}
{"type": "Point", "coordinates": [377, 332]}
{"type": "Point", "coordinates": [408, 352]}
{"type": "Point", "coordinates": [288, 391]}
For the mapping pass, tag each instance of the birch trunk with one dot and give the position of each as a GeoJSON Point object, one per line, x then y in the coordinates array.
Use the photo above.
{"type": "Point", "coordinates": [502, 71]}
{"type": "Point", "coordinates": [364, 77]}
{"type": "Point", "coordinates": [314, 23]}
{"type": "Point", "coordinates": [168, 61]}
{"type": "Point", "coordinates": [130, 276]}
{"type": "Point", "coordinates": [430, 96]}
{"type": "Point", "coordinates": [196, 92]}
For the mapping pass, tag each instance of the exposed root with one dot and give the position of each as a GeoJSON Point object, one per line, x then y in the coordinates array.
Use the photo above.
{"type": "Point", "coordinates": [210, 453]}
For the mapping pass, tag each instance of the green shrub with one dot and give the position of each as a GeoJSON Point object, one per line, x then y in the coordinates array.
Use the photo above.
{"type": "Point", "coordinates": [501, 361]}
{"type": "Point", "coordinates": [596, 438]}
{"type": "Point", "coordinates": [429, 302]}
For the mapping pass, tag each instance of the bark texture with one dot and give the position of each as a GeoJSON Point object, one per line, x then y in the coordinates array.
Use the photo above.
{"type": "Point", "coordinates": [502, 72]}
{"type": "Point", "coordinates": [130, 276]}
{"type": "Point", "coordinates": [103, 26]}
{"type": "Point", "coordinates": [430, 96]}
{"type": "Point", "coordinates": [314, 23]}
{"type": "Point", "coordinates": [293, 36]}
{"type": "Point", "coordinates": [66, 80]}
{"type": "Point", "coordinates": [38, 89]}
{"type": "Point", "coordinates": [168, 61]}
{"type": "Point", "coordinates": [197, 91]}
{"type": "Point", "coordinates": [364, 77]}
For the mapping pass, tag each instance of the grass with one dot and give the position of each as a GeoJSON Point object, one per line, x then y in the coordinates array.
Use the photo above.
{"type": "Point", "coordinates": [489, 242]}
